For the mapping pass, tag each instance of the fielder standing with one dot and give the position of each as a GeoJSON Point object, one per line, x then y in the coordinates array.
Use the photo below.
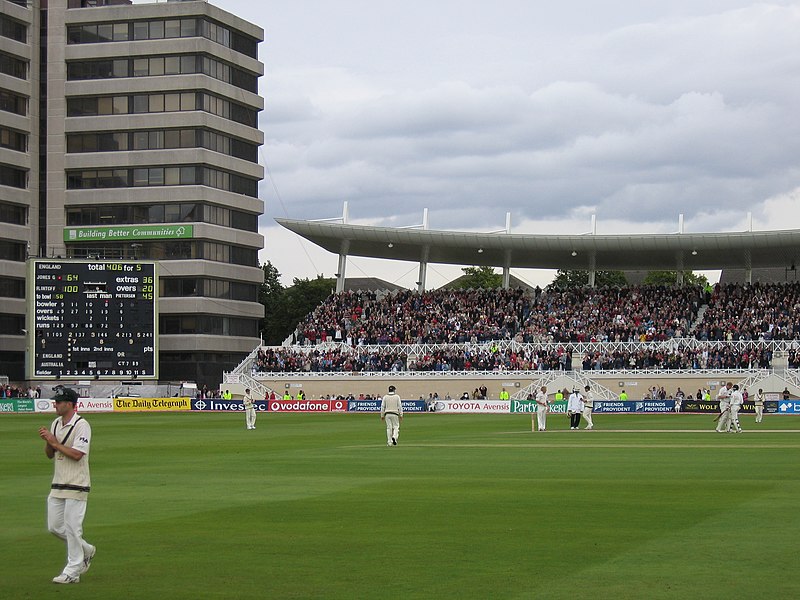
{"type": "Point", "coordinates": [249, 410]}
{"type": "Point", "coordinates": [759, 402]}
{"type": "Point", "coordinates": [737, 399]}
{"type": "Point", "coordinates": [541, 409]}
{"type": "Point", "coordinates": [67, 441]}
{"type": "Point", "coordinates": [588, 406]}
{"type": "Point", "coordinates": [392, 413]}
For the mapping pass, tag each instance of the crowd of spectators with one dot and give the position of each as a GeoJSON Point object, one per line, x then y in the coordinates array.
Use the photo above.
{"type": "Point", "coordinates": [491, 358]}
{"type": "Point", "coordinates": [470, 320]}
{"type": "Point", "coordinates": [752, 312]}
{"type": "Point", "coordinates": [389, 359]}
{"type": "Point", "coordinates": [457, 316]}
{"type": "Point", "coordinates": [724, 356]}
{"type": "Point", "coordinates": [13, 391]}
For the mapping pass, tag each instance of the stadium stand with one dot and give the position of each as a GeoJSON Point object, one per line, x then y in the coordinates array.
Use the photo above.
{"type": "Point", "coordinates": [477, 316]}
{"type": "Point", "coordinates": [631, 328]}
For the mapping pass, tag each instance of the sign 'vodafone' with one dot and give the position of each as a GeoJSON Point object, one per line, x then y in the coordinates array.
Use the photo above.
{"type": "Point", "coordinates": [307, 405]}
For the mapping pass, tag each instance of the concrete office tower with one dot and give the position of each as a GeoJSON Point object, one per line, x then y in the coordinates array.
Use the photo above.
{"type": "Point", "coordinates": [130, 131]}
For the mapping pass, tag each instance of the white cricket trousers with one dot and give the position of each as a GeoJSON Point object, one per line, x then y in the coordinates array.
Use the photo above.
{"type": "Point", "coordinates": [65, 520]}
{"type": "Point", "coordinates": [587, 414]}
{"type": "Point", "coordinates": [724, 423]}
{"type": "Point", "coordinates": [392, 427]}
{"type": "Point", "coordinates": [735, 418]}
{"type": "Point", "coordinates": [250, 417]}
{"type": "Point", "coordinates": [541, 418]}
{"type": "Point", "coordinates": [759, 413]}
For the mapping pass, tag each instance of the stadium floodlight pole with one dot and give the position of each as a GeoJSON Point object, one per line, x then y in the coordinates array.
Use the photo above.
{"type": "Point", "coordinates": [423, 268]}
{"type": "Point", "coordinates": [344, 218]}
{"type": "Point", "coordinates": [340, 275]}
{"type": "Point", "coordinates": [423, 225]}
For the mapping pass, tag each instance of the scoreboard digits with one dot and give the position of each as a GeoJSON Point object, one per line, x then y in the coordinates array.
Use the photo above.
{"type": "Point", "coordinates": [94, 319]}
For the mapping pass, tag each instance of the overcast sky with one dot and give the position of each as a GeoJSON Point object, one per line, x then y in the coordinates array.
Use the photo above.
{"type": "Point", "coordinates": [635, 111]}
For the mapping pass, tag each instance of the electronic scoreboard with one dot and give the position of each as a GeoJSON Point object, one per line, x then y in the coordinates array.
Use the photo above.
{"type": "Point", "coordinates": [92, 319]}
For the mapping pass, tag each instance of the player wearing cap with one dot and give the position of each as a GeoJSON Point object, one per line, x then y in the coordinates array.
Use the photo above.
{"type": "Point", "coordinates": [759, 404]}
{"type": "Point", "coordinates": [67, 441]}
{"type": "Point", "coordinates": [392, 413]}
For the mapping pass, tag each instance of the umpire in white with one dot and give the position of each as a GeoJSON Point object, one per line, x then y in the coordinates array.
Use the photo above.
{"type": "Point", "coordinates": [392, 413]}
{"type": "Point", "coordinates": [574, 409]}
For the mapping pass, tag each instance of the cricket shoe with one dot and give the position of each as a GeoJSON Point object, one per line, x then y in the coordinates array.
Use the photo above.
{"type": "Point", "coordinates": [394, 441]}
{"type": "Point", "coordinates": [87, 559]}
{"type": "Point", "coordinates": [64, 578]}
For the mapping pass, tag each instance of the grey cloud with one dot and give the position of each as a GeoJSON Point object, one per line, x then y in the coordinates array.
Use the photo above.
{"type": "Point", "coordinates": [692, 115]}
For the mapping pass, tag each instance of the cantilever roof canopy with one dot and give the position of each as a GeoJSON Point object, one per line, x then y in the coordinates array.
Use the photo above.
{"type": "Point", "coordinates": [673, 251]}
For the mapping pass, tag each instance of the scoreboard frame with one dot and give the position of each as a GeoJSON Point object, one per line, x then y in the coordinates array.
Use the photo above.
{"type": "Point", "coordinates": [77, 308]}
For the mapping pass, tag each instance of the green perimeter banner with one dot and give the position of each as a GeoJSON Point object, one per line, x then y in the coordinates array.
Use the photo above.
{"type": "Point", "coordinates": [128, 232]}
{"type": "Point", "coordinates": [529, 406]}
{"type": "Point", "coordinates": [14, 405]}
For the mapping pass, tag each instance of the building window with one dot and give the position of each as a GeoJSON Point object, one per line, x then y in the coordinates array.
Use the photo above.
{"type": "Point", "coordinates": [208, 288]}
{"type": "Point", "coordinates": [12, 66]}
{"type": "Point", "coordinates": [163, 29]}
{"type": "Point", "coordinates": [13, 140]}
{"type": "Point", "coordinates": [13, 251]}
{"type": "Point", "coordinates": [179, 287]}
{"type": "Point", "coordinates": [160, 176]}
{"type": "Point", "coordinates": [186, 64]}
{"type": "Point", "coordinates": [83, 106]}
{"type": "Point", "coordinates": [208, 325]}
{"type": "Point", "coordinates": [13, 29]}
{"type": "Point", "coordinates": [12, 287]}
{"type": "Point", "coordinates": [13, 213]}
{"type": "Point", "coordinates": [12, 177]}
{"type": "Point", "coordinates": [12, 324]}
{"type": "Point", "coordinates": [97, 142]}
{"type": "Point", "coordinates": [13, 103]}
{"type": "Point", "coordinates": [159, 250]}
{"type": "Point", "coordinates": [159, 139]}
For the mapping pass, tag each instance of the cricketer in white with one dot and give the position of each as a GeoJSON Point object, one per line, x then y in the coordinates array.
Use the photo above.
{"type": "Point", "coordinates": [67, 441]}
{"type": "Point", "coordinates": [392, 413]}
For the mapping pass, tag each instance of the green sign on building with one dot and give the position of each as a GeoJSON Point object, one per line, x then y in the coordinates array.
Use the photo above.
{"type": "Point", "coordinates": [127, 233]}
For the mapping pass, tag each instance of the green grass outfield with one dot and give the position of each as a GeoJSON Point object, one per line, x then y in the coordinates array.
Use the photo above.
{"type": "Point", "coordinates": [467, 506]}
